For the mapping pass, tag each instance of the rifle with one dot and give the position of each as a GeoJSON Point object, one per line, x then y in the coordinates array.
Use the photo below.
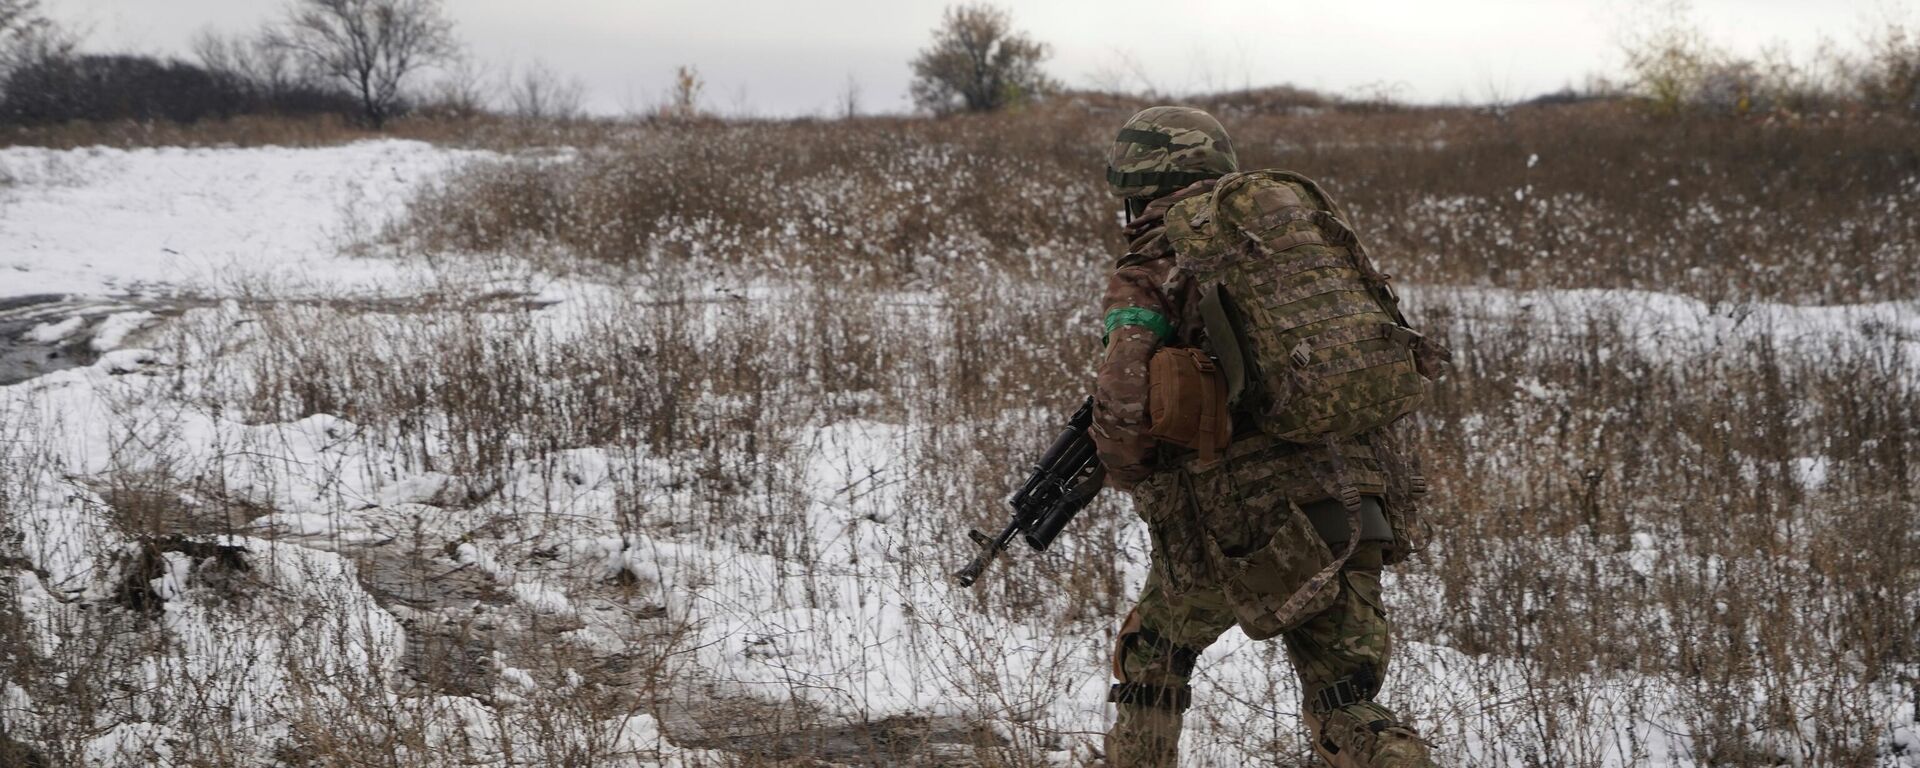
{"type": "Point", "coordinates": [1064, 482]}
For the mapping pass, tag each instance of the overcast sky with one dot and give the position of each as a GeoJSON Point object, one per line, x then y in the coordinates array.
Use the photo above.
{"type": "Point", "coordinates": [781, 57]}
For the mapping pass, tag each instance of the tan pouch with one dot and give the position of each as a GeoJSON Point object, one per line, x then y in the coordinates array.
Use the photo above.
{"type": "Point", "coordinates": [1187, 401]}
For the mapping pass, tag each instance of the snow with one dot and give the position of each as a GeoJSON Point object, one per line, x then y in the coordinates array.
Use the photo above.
{"type": "Point", "coordinates": [104, 221]}
{"type": "Point", "coordinates": [861, 623]}
{"type": "Point", "coordinates": [1669, 326]}
{"type": "Point", "coordinates": [48, 333]}
{"type": "Point", "coordinates": [108, 335]}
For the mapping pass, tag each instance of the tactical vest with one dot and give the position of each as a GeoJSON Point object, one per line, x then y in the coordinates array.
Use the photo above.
{"type": "Point", "coordinates": [1309, 334]}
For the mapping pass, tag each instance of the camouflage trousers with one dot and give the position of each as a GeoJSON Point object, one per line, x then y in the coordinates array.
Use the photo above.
{"type": "Point", "coordinates": [1340, 651]}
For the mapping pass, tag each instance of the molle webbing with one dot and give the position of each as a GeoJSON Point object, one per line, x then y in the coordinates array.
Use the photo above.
{"type": "Point", "coordinates": [1321, 287]}
{"type": "Point", "coordinates": [1352, 334]}
{"type": "Point", "coordinates": [1338, 308]}
{"type": "Point", "coordinates": [1375, 359]}
{"type": "Point", "coordinates": [1292, 264]}
{"type": "Point", "coordinates": [1292, 240]}
{"type": "Point", "coordinates": [1272, 220]}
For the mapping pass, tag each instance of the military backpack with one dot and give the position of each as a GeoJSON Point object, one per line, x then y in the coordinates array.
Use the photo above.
{"type": "Point", "coordinates": [1309, 335]}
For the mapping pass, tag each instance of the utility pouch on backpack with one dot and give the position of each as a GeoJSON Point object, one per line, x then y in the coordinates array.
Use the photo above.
{"type": "Point", "coordinates": [1187, 401]}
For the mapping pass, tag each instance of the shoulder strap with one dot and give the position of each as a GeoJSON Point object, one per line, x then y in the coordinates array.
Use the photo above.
{"type": "Point", "coordinates": [1228, 346]}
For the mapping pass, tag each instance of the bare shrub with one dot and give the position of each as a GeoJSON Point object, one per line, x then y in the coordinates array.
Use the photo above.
{"type": "Point", "coordinates": [537, 92]}
{"type": "Point", "coordinates": [1552, 564]}
{"type": "Point", "coordinates": [1888, 74]}
{"type": "Point", "coordinates": [978, 63]}
{"type": "Point", "coordinates": [683, 95]}
{"type": "Point", "coordinates": [1668, 57]}
{"type": "Point", "coordinates": [463, 93]}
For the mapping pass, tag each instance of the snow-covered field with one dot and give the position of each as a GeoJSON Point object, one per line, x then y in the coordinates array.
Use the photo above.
{"type": "Point", "coordinates": [258, 580]}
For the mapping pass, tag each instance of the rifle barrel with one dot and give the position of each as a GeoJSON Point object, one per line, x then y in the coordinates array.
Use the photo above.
{"type": "Point", "coordinates": [1042, 506]}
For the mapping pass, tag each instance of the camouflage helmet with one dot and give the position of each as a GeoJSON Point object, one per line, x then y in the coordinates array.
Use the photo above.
{"type": "Point", "coordinates": [1162, 149]}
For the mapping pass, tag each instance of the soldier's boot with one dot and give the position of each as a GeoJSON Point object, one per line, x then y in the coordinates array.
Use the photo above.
{"type": "Point", "coordinates": [1367, 735]}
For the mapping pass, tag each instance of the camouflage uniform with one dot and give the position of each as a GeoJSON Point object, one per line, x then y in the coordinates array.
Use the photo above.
{"type": "Point", "coordinates": [1233, 537]}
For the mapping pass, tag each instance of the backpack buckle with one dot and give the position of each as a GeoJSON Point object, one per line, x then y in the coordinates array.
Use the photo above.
{"type": "Point", "coordinates": [1301, 354]}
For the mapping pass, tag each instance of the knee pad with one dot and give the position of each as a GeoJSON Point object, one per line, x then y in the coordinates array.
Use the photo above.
{"type": "Point", "coordinates": [1135, 636]}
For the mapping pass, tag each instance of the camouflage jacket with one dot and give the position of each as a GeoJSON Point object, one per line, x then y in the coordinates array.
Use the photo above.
{"type": "Point", "coordinates": [1151, 301]}
{"type": "Point", "coordinates": [1147, 281]}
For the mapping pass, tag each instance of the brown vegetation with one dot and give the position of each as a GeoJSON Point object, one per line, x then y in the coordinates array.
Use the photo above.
{"type": "Point", "coordinates": [1631, 529]}
{"type": "Point", "coordinates": [1596, 195]}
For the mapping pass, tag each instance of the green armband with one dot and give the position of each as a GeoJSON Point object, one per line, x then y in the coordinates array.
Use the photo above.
{"type": "Point", "coordinates": [1140, 316]}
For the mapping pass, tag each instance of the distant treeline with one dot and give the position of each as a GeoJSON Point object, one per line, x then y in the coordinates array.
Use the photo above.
{"type": "Point", "coordinates": [365, 61]}
{"type": "Point", "coordinates": [352, 58]}
{"type": "Point", "coordinates": [126, 87]}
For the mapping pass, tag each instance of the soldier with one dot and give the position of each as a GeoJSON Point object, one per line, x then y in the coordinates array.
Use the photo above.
{"type": "Point", "coordinates": [1280, 537]}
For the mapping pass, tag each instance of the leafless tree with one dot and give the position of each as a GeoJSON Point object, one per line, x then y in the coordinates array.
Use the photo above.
{"type": "Point", "coordinates": [537, 92]}
{"type": "Point", "coordinates": [26, 36]}
{"type": "Point", "coordinates": [849, 100]}
{"type": "Point", "coordinates": [18, 15]}
{"type": "Point", "coordinates": [464, 90]}
{"type": "Point", "coordinates": [267, 70]}
{"type": "Point", "coordinates": [977, 63]}
{"type": "Point", "coordinates": [371, 46]}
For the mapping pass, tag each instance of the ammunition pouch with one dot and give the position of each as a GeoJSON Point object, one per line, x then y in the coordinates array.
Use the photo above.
{"type": "Point", "coordinates": [1187, 401]}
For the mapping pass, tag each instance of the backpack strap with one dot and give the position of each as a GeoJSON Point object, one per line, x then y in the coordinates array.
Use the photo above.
{"type": "Point", "coordinates": [1227, 344]}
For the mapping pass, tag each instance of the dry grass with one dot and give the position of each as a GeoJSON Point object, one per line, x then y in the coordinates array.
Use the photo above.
{"type": "Point", "coordinates": [1779, 597]}
{"type": "Point", "coordinates": [1592, 195]}
{"type": "Point", "coordinates": [1618, 520]}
